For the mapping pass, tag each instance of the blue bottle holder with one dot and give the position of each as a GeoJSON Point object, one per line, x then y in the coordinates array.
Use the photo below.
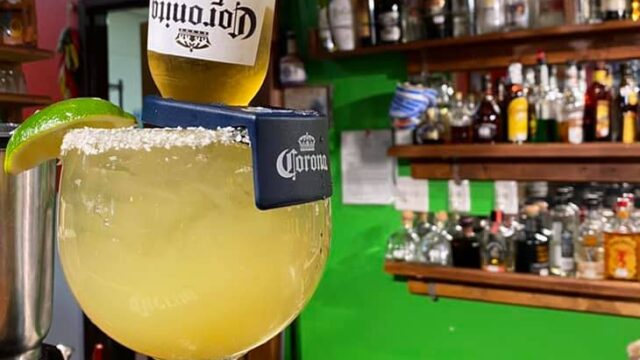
{"type": "Point", "coordinates": [289, 148]}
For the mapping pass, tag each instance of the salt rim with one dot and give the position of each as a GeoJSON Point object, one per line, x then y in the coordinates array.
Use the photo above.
{"type": "Point", "coordinates": [92, 141]}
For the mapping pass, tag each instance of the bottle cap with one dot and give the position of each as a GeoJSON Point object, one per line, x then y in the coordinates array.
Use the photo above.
{"type": "Point", "coordinates": [532, 210]}
{"type": "Point", "coordinates": [442, 216]}
{"type": "Point", "coordinates": [466, 221]}
{"type": "Point", "coordinates": [407, 216]}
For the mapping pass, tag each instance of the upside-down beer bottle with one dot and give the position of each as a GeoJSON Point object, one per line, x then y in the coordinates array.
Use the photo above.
{"type": "Point", "coordinates": [210, 51]}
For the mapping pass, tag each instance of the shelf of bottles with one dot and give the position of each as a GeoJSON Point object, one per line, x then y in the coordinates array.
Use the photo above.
{"type": "Point", "coordinates": [580, 256]}
{"type": "Point", "coordinates": [582, 118]}
{"type": "Point", "coordinates": [462, 35]}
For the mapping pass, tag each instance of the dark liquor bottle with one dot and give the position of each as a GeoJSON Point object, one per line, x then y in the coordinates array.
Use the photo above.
{"type": "Point", "coordinates": [487, 120]}
{"type": "Point", "coordinates": [431, 130]}
{"type": "Point", "coordinates": [628, 104]}
{"type": "Point", "coordinates": [389, 23]}
{"type": "Point", "coordinates": [517, 108]}
{"type": "Point", "coordinates": [549, 103]}
{"type": "Point", "coordinates": [461, 122]}
{"type": "Point", "coordinates": [412, 19]}
{"type": "Point", "coordinates": [465, 247]}
{"type": "Point", "coordinates": [439, 21]}
{"type": "Point", "coordinates": [614, 9]}
{"type": "Point", "coordinates": [494, 255]}
{"type": "Point", "coordinates": [366, 23]}
{"type": "Point", "coordinates": [532, 250]}
{"type": "Point", "coordinates": [597, 108]}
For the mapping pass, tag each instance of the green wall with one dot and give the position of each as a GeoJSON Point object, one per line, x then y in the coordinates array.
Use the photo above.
{"type": "Point", "coordinates": [359, 312]}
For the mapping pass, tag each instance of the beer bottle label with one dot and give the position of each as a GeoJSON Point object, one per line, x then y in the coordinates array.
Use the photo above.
{"type": "Point", "coordinates": [602, 119]}
{"type": "Point", "coordinates": [219, 30]}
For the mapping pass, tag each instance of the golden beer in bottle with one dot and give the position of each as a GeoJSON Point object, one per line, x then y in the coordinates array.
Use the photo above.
{"type": "Point", "coordinates": [210, 51]}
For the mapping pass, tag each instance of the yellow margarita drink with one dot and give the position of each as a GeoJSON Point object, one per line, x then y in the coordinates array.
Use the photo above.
{"type": "Point", "coordinates": [165, 251]}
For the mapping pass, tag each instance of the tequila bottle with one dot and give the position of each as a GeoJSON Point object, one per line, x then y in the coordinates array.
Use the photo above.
{"type": "Point", "coordinates": [435, 247]}
{"type": "Point", "coordinates": [402, 244]}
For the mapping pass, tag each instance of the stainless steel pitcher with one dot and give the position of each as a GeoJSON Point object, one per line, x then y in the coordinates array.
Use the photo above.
{"type": "Point", "coordinates": [27, 205]}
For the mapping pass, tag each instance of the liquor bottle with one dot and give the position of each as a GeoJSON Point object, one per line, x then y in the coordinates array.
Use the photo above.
{"type": "Point", "coordinates": [490, 16]}
{"type": "Point", "coordinates": [465, 248]}
{"type": "Point", "coordinates": [621, 245]}
{"type": "Point", "coordinates": [342, 23]}
{"type": "Point", "coordinates": [589, 247]}
{"type": "Point", "coordinates": [366, 22]}
{"type": "Point", "coordinates": [596, 121]}
{"type": "Point", "coordinates": [635, 10]}
{"type": "Point", "coordinates": [547, 13]}
{"type": "Point", "coordinates": [461, 121]}
{"type": "Point", "coordinates": [614, 9]}
{"type": "Point", "coordinates": [431, 130]}
{"type": "Point", "coordinates": [517, 15]}
{"type": "Point", "coordinates": [564, 227]}
{"type": "Point", "coordinates": [292, 70]}
{"type": "Point", "coordinates": [435, 247]}
{"type": "Point", "coordinates": [439, 21]}
{"type": "Point", "coordinates": [570, 123]}
{"type": "Point", "coordinates": [549, 102]}
{"type": "Point", "coordinates": [487, 120]}
{"type": "Point", "coordinates": [389, 25]}
{"type": "Point", "coordinates": [324, 30]}
{"type": "Point", "coordinates": [494, 254]}
{"type": "Point", "coordinates": [532, 91]}
{"type": "Point", "coordinates": [443, 102]}
{"type": "Point", "coordinates": [402, 245]}
{"type": "Point", "coordinates": [628, 105]}
{"type": "Point", "coordinates": [412, 20]}
{"type": "Point", "coordinates": [512, 232]}
{"type": "Point", "coordinates": [422, 226]}
{"type": "Point", "coordinates": [532, 251]}
{"type": "Point", "coordinates": [463, 18]}
{"type": "Point", "coordinates": [517, 108]}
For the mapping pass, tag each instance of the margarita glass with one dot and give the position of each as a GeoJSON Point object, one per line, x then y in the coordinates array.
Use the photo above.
{"type": "Point", "coordinates": [165, 251]}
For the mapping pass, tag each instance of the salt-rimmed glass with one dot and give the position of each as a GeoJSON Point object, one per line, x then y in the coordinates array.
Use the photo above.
{"type": "Point", "coordinates": [165, 251]}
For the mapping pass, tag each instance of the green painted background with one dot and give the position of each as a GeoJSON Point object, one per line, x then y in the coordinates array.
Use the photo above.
{"type": "Point", "coordinates": [358, 312]}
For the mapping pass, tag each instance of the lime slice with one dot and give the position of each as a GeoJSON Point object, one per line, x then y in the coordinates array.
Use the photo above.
{"type": "Point", "coordinates": [39, 137]}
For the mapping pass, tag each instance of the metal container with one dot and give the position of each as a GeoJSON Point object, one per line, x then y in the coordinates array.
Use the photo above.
{"type": "Point", "coordinates": [27, 205]}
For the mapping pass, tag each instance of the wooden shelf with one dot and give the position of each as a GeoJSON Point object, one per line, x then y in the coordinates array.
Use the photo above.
{"type": "Point", "coordinates": [23, 100]}
{"type": "Point", "coordinates": [527, 162]}
{"type": "Point", "coordinates": [22, 54]}
{"type": "Point", "coordinates": [614, 40]}
{"type": "Point", "coordinates": [603, 297]}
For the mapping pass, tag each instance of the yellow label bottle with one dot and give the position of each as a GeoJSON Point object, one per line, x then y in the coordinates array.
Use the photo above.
{"type": "Point", "coordinates": [629, 127]}
{"type": "Point", "coordinates": [621, 256]}
{"type": "Point", "coordinates": [517, 117]}
{"type": "Point", "coordinates": [603, 122]}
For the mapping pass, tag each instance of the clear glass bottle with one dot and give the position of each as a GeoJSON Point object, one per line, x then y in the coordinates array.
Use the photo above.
{"type": "Point", "coordinates": [463, 19]}
{"type": "Point", "coordinates": [511, 231]}
{"type": "Point", "coordinates": [570, 123]}
{"type": "Point", "coordinates": [564, 226]}
{"type": "Point", "coordinates": [547, 13]}
{"type": "Point", "coordinates": [461, 122]}
{"type": "Point", "coordinates": [465, 247]}
{"type": "Point", "coordinates": [435, 247]}
{"type": "Point", "coordinates": [621, 245]}
{"type": "Point", "coordinates": [532, 250]}
{"type": "Point", "coordinates": [324, 30]}
{"type": "Point", "coordinates": [494, 249]}
{"type": "Point", "coordinates": [366, 22]}
{"type": "Point", "coordinates": [490, 16]}
{"type": "Point", "coordinates": [292, 71]}
{"type": "Point", "coordinates": [487, 120]}
{"type": "Point", "coordinates": [550, 104]}
{"type": "Point", "coordinates": [412, 19]}
{"type": "Point", "coordinates": [342, 24]}
{"type": "Point", "coordinates": [589, 247]}
{"type": "Point", "coordinates": [431, 130]}
{"type": "Point", "coordinates": [402, 245]}
{"type": "Point", "coordinates": [422, 225]}
{"type": "Point", "coordinates": [517, 15]}
{"type": "Point", "coordinates": [389, 22]}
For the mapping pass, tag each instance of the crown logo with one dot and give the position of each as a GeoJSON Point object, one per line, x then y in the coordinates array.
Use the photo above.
{"type": "Point", "coordinates": [307, 143]}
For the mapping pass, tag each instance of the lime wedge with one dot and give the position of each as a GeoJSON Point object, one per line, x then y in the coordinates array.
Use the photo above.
{"type": "Point", "coordinates": [39, 137]}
